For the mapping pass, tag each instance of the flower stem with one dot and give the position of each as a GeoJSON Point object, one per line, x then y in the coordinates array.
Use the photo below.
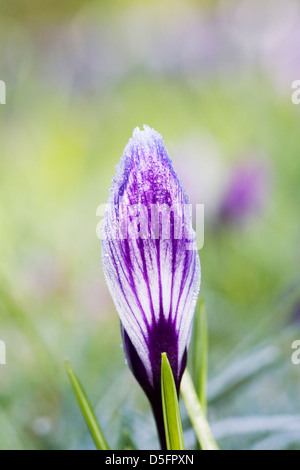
{"type": "Point", "coordinates": [196, 414]}
{"type": "Point", "coordinates": [159, 421]}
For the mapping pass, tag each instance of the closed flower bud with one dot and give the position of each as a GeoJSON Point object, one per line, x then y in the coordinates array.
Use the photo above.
{"type": "Point", "coordinates": [151, 263]}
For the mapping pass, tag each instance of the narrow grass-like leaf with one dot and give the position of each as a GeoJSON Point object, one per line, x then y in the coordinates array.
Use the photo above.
{"type": "Point", "coordinates": [243, 370]}
{"type": "Point", "coordinates": [171, 413]}
{"type": "Point", "coordinates": [200, 343]}
{"type": "Point", "coordinates": [196, 414]}
{"type": "Point", "coordinates": [87, 410]}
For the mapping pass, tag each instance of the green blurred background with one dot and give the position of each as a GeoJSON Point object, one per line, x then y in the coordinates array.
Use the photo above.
{"type": "Point", "coordinates": [214, 78]}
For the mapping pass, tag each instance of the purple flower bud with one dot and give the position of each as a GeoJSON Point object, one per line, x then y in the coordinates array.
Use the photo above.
{"type": "Point", "coordinates": [246, 192]}
{"type": "Point", "coordinates": [150, 262]}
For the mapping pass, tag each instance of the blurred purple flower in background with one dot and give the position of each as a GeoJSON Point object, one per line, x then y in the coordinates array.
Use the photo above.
{"type": "Point", "coordinates": [154, 281]}
{"type": "Point", "coordinates": [246, 192]}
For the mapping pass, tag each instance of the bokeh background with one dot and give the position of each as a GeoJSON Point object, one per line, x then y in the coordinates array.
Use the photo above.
{"type": "Point", "coordinates": [214, 78]}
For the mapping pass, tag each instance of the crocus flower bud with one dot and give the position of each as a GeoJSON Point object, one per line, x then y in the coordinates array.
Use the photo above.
{"type": "Point", "coordinates": [151, 263]}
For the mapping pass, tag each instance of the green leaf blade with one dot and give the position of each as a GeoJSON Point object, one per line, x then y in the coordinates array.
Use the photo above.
{"type": "Point", "coordinates": [171, 412]}
{"type": "Point", "coordinates": [87, 410]}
